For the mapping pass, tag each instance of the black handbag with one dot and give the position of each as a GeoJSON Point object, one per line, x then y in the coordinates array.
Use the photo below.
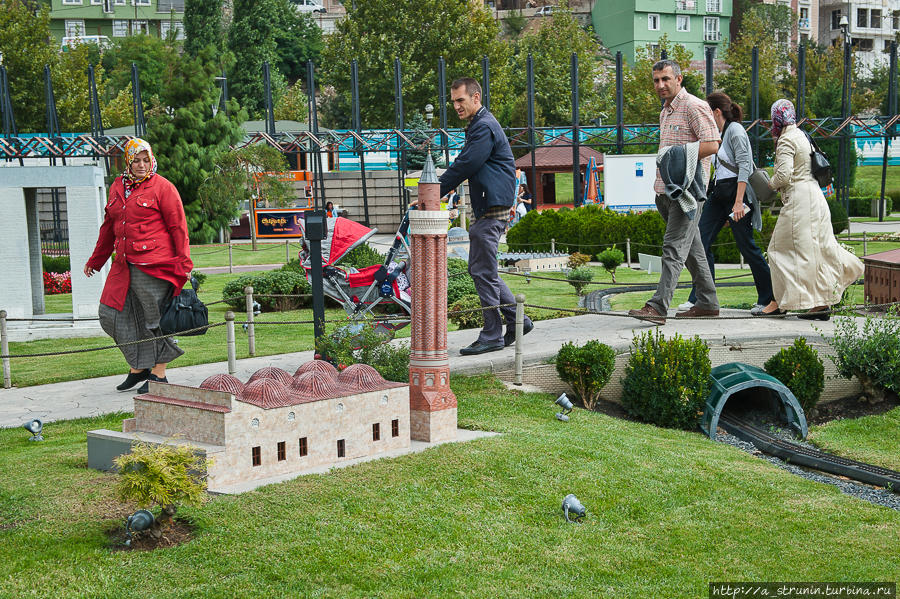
{"type": "Point", "coordinates": [185, 312]}
{"type": "Point", "coordinates": [818, 164]}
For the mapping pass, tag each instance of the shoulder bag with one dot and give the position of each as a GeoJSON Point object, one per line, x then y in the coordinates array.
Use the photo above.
{"type": "Point", "coordinates": [184, 312]}
{"type": "Point", "coordinates": [818, 164]}
{"type": "Point", "coordinates": [758, 181]}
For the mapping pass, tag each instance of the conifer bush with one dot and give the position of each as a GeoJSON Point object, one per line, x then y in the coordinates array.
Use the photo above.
{"type": "Point", "coordinates": [801, 370]}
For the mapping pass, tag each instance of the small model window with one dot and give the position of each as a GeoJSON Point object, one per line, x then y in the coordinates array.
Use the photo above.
{"type": "Point", "coordinates": [395, 428]}
{"type": "Point", "coordinates": [303, 448]}
{"type": "Point", "coordinates": [282, 454]}
{"type": "Point", "coordinates": [341, 448]}
{"type": "Point", "coordinates": [256, 453]}
{"type": "Point", "coordinates": [376, 432]}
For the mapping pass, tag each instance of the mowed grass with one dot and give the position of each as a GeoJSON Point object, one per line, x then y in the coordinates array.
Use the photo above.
{"type": "Point", "coordinates": [668, 511]}
{"type": "Point", "coordinates": [870, 439]}
{"type": "Point", "coordinates": [267, 252]}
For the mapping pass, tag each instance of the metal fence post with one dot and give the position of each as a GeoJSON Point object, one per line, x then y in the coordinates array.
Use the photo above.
{"type": "Point", "coordinates": [576, 137]}
{"type": "Point", "coordinates": [230, 262]}
{"type": "Point", "coordinates": [251, 337]}
{"type": "Point", "coordinates": [628, 251]}
{"type": "Point", "coordinates": [287, 251]}
{"type": "Point", "coordinates": [865, 245]}
{"type": "Point", "coordinates": [754, 101]}
{"type": "Point", "coordinates": [552, 245]}
{"type": "Point", "coordinates": [520, 325]}
{"type": "Point", "coordinates": [4, 348]}
{"type": "Point", "coordinates": [620, 106]}
{"type": "Point", "coordinates": [229, 340]}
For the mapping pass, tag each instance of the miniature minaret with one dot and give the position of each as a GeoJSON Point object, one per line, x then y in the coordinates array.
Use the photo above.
{"type": "Point", "coordinates": [432, 405]}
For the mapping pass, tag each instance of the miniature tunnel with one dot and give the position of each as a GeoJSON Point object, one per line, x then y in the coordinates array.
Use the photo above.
{"type": "Point", "coordinates": [750, 386]}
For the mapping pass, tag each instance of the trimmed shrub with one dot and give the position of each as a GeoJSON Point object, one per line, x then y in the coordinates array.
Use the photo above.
{"type": "Point", "coordinates": [871, 354]}
{"type": "Point", "coordinates": [294, 265]}
{"type": "Point", "coordinates": [839, 220]}
{"type": "Point", "coordinates": [361, 256]}
{"type": "Point", "coordinates": [276, 282]}
{"type": "Point", "coordinates": [611, 259]}
{"type": "Point", "coordinates": [58, 264]}
{"type": "Point", "coordinates": [459, 282]}
{"type": "Point", "coordinates": [579, 278]}
{"type": "Point", "coordinates": [467, 320]}
{"type": "Point", "coordinates": [863, 206]}
{"type": "Point", "coordinates": [578, 259]}
{"type": "Point", "coordinates": [801, 370]}
{"type": "Point", "coordinates": [359, 343]}
{"type": "Point", "coordinates": [667, 380]}
{"type": "Point", "coordinates": [586, 368]}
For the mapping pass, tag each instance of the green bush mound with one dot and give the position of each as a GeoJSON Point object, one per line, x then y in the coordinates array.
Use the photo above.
{"type": "Point", "coordinates": [586, 368]}
{"type": "Point", "coordinates": [667, 380]}
{"type": "Point", "coordinates": [361, 256]}
{"type": "Point", "coordinates": [579, 278]}
{"type": "Point", "coordinates": [870, 353]}
{"type": "Point", "coordinates": [276, 282]}
{"type": "Point", "coordinates": [360, 343]}
{"type": "Point", "coordinates": [801, 370]}
{"type": "Point", "coordinates": [459, 282]}
{"type": "Point", "coordinates": [57, 264]}
{"type": "Point", "coordinates": [590, 229]}
{"type": "Point", "coordinates": [862, 206]}
{"type": "Point", "coordinates": [839, 219]}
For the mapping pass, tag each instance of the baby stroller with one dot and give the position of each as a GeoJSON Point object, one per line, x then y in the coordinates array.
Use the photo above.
{"type": "Point", "coordinates": [360, 292]}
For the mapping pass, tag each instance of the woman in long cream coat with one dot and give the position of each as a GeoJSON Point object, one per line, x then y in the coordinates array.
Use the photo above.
{"type": "Point", "coordinates": [810, 271]}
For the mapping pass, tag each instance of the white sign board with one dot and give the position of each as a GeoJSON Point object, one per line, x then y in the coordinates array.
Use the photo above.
{"type": "Point", "coordinates": [628, 182]}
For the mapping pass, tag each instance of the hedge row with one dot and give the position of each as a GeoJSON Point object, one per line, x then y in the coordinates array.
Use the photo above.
{"type": "Point", "coordinates": [863, 206]}
{"type": "Point", "coordinates": [591, 229]}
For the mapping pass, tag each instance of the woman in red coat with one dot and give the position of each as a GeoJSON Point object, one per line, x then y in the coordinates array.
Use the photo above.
{"type": "Point", "coordinates": [146, 229]}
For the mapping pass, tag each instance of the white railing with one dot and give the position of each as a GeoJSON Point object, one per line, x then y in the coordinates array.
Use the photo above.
{"type": "Point", "coordinates": [712, 36]}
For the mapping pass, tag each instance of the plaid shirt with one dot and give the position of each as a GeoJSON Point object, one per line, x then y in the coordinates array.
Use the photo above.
{"type": "Point", "coordinates": [687, 118]}
{"type": "Point", "coordinates": [497, 212]}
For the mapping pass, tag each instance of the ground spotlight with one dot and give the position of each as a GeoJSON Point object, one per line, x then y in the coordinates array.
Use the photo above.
{"type": "Point", "coordinates": [571, 506]}
{"type": "Point", "coordinates": [138, 521]}
{"type": "Point", "coordinates": [34, 427]}
{"type": "Point", "coordinates": [563, 402]}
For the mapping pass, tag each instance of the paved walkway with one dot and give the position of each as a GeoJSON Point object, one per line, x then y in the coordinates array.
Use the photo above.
{"type": "Point", "coordinates": [93, 397]}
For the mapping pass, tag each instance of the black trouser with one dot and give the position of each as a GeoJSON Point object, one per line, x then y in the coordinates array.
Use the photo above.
{"type": "Point", "coordinates": [714, 216]}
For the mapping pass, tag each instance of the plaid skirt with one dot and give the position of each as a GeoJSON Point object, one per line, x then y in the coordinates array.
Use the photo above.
{"type": "Point", "coordinates": [139, 319]}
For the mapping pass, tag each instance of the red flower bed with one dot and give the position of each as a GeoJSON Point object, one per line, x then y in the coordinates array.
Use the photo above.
{"type": "Point", "coordinates": [55, 282]}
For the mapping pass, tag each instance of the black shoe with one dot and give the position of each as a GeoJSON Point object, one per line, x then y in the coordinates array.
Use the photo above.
{"type": "Point", "coordinates": [510, 337]}
{"type": "Point", "coordinates": [133, 379]}
{"type": "Point", "coordinates": [481, 348]}
{"type": "Point", "coordinates": [816, 314]}
{"type": "Point", "coordinates": [146, 386]}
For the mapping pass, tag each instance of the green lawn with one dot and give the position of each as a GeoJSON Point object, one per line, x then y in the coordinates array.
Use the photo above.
{"type": "Point", "coordinates": [241, 254]}
{"type": "Point", "coordinates": [870, 177]}
{"type": "Point", "coordinates": [871, 439]}
{"type": "Point", "coordinates": [668, 511]}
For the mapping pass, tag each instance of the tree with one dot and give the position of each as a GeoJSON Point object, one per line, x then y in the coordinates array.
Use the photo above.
{"type": "Point", "coordinates": [23, 44]}
{"type": "Point", "coordinates": [252, 38]}
{"type": "Point", "coordinates": [551, 47]}
{"type": "Point", "coordinates": [154, 58]}
{"type": "Point", "coordinates": [298, 39]}
{"type": "Point", "coordinates": [415, 159]}
{"type": "Point", "coordinates": [292, 105]}
{"type": "Point", "coordinates": [236, 178]}
{"type": "Point", "coordinates": [71, 89]}
{"type": "Point", "coordinates": [203, 25]}
{"type": "Point", "coordinates": [418, 33]}
{"type": "Point", "coordinates": [186, 136]}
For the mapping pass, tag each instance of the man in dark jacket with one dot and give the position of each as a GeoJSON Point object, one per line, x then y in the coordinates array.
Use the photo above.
{"type": "Point", "coordinates": [487, 162]}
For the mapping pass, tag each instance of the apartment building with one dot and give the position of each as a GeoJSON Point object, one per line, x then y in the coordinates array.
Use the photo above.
{"type": "Point", "coordinates": [116, 18]}
{"type": "Point", "coordinates": [871, 26]}
{"type": "Point", "coordinates": [625, 25]}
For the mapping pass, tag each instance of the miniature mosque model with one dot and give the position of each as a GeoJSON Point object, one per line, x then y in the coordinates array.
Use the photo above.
{"type": "Point", "coordinates": [277, 425]}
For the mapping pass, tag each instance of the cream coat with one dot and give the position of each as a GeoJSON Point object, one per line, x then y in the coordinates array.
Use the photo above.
{"type": "Point", "coordinates": [809, 268]}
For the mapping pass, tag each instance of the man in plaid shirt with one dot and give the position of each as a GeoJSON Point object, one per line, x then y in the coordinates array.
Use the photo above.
{"type": "Point", "coordinates": [684, 118]}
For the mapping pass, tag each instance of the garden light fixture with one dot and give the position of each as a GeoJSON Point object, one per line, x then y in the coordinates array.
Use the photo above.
{"type": "Point", "coordinates": [138, 521]}
{"type": "Point", "coordinates": [563, 402]}
{"type": "Point", "coordinates": [34, 427]}
{"type": "Point", "coordinates": [571, 506]}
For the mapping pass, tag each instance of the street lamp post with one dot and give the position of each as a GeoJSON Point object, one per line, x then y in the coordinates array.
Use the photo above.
{"type": "Point", "coordinates": [844, 152]}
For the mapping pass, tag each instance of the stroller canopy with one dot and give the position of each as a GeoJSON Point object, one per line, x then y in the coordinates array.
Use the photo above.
{"type": "Point", "coordinates": [343, 235]}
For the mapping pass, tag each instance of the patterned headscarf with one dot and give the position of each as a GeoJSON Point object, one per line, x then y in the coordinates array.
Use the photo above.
{"type": "Point", "coordinates": [132, 149]}
{"type": "Point", "coordinates": [782, 115]}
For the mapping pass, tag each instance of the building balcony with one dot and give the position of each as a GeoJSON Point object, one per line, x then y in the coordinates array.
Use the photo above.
{"type": "Point", "coordinates": [712, 36]}
{"type": "Point", "coordinates": [803, 23]}
{"type": "Point", "coordinates": [686, 5]}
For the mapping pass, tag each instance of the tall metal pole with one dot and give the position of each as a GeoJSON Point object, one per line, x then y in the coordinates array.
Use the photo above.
{"type": "Point", "coordinates": [801, 83]}
{"type": "Point", "coordinates": [486, 82]}
{"type": "Point", "coordinates": [317, 157]}
{"type": "Point", "coordinates": [96, 116]}
{"type": "Point", "coordinates": [709, 70]}
{"type": "Point", "coordinates": [620, 103]}
{"type": "Point", "coordinates": [576, 138]}
{"type": "Point", "coordinates": [442, 102]}
{"type": "Point", "coordinates": [223, 98]}
{"type": "Point", "coordinates": [9, 121]}
{"type": "Point", "coordinates": [888, 132]}
{"type": "Point", "coordinates": [357, 126]}
{"type": "Point", "coordinates": [270, 109]}
{"type": "Point", "coordinates": [140, 128]}
{"type": "Point", "coordinates": [531, 140]}
{"type": "Point", "coordinates": [844, 180]}
{"type": "Point", "coordinates": [399, 125]}
{"type": "Point", "coordinates": [754, 101]}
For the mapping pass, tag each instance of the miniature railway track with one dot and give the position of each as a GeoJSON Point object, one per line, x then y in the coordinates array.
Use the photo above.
{"type": "Point", "coordinates": [811, 458]}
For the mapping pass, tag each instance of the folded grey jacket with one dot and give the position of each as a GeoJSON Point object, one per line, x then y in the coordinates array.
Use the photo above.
{"type": "Point", "coordinates": [681, 172]}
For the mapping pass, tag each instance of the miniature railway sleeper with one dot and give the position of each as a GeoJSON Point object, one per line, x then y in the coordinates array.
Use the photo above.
{"type": "Point", "coordinates": [811, 458]}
